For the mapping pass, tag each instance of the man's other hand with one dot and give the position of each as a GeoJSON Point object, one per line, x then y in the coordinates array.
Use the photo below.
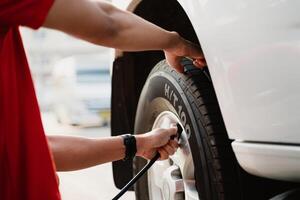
{"type": "Point", "coordinates": [183, 48]}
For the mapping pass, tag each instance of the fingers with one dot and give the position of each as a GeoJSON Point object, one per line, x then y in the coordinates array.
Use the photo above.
{"type": "Point", "coordinates": [184, 48]}
{"type": "Point", "coordinates": [200, 63]}
{"type": "Point", "coordinates": [194, 51]}
{"type": "Point", "coordinates": [163, 154]}
{"type": "Point", "coordinates": [175, 62]}
{"type": "Point", "coordinates": [164, 151]}
{"type": "Point", "coordinates": [174, 144]}
{"type": "Point", "coordinates": [196, 54]}
{"type": "Point", "coordinates": [168, 150]}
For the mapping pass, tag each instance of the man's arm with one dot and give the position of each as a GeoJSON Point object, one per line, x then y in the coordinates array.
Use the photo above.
{"type": "Point", "coordinates": [103, 24]}
{"type": "Point", "coordinates": [74, 153]}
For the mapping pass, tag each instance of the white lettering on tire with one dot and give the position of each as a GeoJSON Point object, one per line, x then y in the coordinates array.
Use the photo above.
{"type": "Point", "coordinates": [173, 99]}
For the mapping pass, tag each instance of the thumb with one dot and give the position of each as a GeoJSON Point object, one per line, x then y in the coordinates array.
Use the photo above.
{"type": "Point", "coordinates": [172, 131]}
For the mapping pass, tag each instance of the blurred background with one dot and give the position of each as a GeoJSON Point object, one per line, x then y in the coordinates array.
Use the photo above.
{"type": "Point", "coordinates": [73, 85]}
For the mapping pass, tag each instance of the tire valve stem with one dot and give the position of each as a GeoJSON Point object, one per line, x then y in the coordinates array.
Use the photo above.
{"type": "Point", "coordinates": [146, 167]}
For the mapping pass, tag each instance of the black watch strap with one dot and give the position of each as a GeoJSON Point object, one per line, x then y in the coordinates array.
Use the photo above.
{"type": "Point", "coordinates": [130, 146]}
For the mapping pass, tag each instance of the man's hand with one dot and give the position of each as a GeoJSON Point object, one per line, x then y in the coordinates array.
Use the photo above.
{"type": "Point", "coordinates": [157, 140]}
{"type": "Point", "coordinates": [181, 48]}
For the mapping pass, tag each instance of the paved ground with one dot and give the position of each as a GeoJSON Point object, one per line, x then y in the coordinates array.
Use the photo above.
{"type": "Point", "coordinates": [90, 184]}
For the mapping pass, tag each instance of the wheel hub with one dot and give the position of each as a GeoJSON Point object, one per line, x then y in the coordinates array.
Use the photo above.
{"type": "Point", "coordinates": [173, 186]}
{"type": "Point", "coordinates": [173, 179]}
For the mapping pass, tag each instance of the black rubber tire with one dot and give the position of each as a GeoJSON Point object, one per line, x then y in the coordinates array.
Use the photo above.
{"type": "Point", "coordinates": [196, 104]}
{"type": "Point", "coordinates": [192, 98]}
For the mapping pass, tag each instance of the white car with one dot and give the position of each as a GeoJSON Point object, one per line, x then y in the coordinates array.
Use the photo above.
{"type": "Point", "coordinates": [82, 90]}
{"type": "Point", "coordinates": [241, 118]}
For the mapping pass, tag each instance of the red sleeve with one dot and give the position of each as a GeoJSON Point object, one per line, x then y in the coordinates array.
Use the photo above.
{"type": "Point", "coordinates": [30, 13]}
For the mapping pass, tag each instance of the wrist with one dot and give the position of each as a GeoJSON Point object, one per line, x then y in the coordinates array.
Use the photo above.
{"type": "Point", "coordinates": [130, 144]}
{"type": "Point", "coordinates": [173, 41]}
{"type": "Point", "coordinates": [140, 144]}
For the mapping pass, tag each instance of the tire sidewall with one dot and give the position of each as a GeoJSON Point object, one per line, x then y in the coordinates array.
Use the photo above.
{"type": "Point", "coordinates": [164, 91]}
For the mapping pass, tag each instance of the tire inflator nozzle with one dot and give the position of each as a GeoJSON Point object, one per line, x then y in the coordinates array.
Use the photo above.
{"type": "Point", "coordinates": [179, 131]}
{"type": "Point", "coordinates": [146, 167]}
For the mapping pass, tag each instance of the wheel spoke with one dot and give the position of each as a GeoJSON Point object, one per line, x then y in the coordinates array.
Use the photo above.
{"type": "Point", "coordinates": [179, 186]}
{"type": "Point", "coordinates": [157, 172]}
{"type": "Point", "coordinates": [172, 176]}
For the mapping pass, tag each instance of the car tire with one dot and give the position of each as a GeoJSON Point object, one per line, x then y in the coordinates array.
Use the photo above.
{"type": "Point", "coordinates": [192, 99]}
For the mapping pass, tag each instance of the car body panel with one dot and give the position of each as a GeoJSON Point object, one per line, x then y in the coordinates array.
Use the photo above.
{"type": "Point", "coordinates": [252, 50]}
{"type": "Point", "coordinates": [281, 162]}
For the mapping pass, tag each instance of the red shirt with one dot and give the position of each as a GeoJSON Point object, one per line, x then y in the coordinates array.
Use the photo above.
{"type": "Point", "coordinates": [26, 168]}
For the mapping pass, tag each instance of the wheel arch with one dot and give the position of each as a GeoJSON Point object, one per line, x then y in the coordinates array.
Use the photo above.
{"type": "Point", "coordinates": [131, 69]}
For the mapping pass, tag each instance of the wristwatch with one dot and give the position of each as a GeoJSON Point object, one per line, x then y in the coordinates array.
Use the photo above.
{"type": "Point", "coordinates": [130, 145]}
